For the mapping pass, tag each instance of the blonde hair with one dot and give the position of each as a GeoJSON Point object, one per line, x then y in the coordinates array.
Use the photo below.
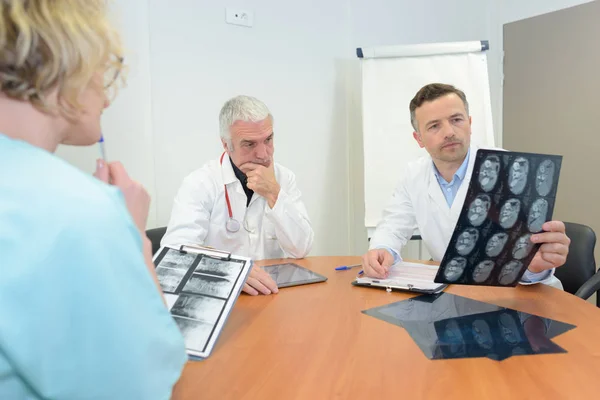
{"type": "Point", "coordinates": [56, 44]}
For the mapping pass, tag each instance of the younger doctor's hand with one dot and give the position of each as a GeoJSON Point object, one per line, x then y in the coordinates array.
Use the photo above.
{"type": "Point", "coordinates": [377, 262]}
{"type": "Point", "coordinates": [136, 197]}
{"type": "Point", "coordinates": [262, 180]}
{"type": "Point", "coordinates": [554, 249]}
{"type": "Point", "coordinates": [259, 281]}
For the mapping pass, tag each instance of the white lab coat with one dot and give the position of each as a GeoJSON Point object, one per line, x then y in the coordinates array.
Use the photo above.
{"type": "Point", "coordinates": [200, 215]}
{"type": "Point", "coordinates": [418, 203]}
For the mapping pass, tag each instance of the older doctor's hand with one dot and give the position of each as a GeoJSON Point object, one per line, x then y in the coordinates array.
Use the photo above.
{"type": "Point", "coordinates": [554, 249]}
{"type": "Point", "coordinates": [262, 180]}
{"type": "Point", "coordinates": [259, 281]}
{"type": "Point", "coordinates": [377, 262]}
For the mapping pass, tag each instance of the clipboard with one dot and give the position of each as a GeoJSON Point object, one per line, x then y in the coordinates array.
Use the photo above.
{"type": "Point", "coordinates": [406, 277]}
{"type": "Point", "coordinates": [200, 286]}
{"type": "Point", "coordinates": [408, 288]}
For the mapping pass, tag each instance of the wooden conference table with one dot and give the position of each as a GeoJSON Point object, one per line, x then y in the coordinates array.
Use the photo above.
{"type": "Point", "coordinates": [313, 342]}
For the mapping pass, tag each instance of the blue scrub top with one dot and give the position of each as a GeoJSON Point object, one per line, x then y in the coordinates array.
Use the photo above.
{"type": "Point", "coordinates": [80, 316]}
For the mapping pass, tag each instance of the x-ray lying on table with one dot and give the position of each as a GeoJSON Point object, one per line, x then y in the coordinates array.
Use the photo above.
{"type": "Point", "coordinates": [510, 196]}
{"type": "Point", "coordinates": [446, 326]}
{"type": "Point", "coordinates": [496, 335]}
{"type": "Point", "coordinates": [200, 290]}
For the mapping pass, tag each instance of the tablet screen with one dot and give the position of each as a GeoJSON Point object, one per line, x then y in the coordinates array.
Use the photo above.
{"type": "Point", "coordinates": [290, 274]}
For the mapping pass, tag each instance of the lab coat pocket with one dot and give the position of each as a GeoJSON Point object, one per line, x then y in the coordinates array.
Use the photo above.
{"type": "Point", "coordinates": [272, 249]}
{"type": "Point", "coordinates": [269, 230]}
{"type": "Point", "coordinates": [222, 239]}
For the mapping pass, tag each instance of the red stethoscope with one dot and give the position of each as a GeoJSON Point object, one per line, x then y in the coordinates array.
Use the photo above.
{"type": "Point", "coordinates": [232, 224]}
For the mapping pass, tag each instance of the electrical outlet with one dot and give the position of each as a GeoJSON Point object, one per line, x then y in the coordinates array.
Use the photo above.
{"type": "Point", "coordinates": [236, 16]}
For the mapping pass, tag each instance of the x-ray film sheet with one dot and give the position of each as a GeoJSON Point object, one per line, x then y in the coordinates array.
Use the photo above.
{"type": "Point", "coordinates": [510, 196]}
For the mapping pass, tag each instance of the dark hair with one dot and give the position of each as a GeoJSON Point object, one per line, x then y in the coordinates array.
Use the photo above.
{"type": "Point", "coordinates": [432, 92]}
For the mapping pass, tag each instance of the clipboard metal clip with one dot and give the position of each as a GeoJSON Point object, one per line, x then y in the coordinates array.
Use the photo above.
{"type": "Point", "coordinates": [208, 251]}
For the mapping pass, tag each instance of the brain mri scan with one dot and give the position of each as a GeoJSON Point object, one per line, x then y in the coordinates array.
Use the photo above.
{"type": "Point", "coordinates": [517, 176]}
{"type": "Point", "coordinates": [544, 178]}
{"type": "Point", "coordinates": [496, 244]}
{"type": "Point", "coordinates": [508, 273]}
{"type": "Point", "coordinates": [453, 336]}
{"type": "Point", "coordinates": [482, 334]}
{"type": "Point", "coordinates": [466, 241]}
{"type": "Point", "coordinates": [478, 210]}
{"type": "Point", "coordinates": [488, 173]}
{"type": "Point", "coordinates": [509, 213]}
{"type": "Point", "coordinates": [455, 268]}
{"type": "Point", "coordinates": [509, 329]}
{"type": "Point", "coordinates": [523, 247]}
{"type": "Point", "coordinates": [537, 215]}
{"type": "Point", "coordinates": [482, 271]}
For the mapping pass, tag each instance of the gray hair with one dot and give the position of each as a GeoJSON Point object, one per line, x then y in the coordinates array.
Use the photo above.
{"type": "Point", "coordinates": [240, 108]}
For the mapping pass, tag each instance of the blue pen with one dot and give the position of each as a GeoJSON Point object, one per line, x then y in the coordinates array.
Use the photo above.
{"type": "Point", "coordinates": [346, 267]}
{"type": "Point", "coordinates": [102, 150]}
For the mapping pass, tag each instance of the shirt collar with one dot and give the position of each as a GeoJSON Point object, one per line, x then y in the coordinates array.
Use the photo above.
{"type": "Point", "coordinates": [244, 181]}
{"type": "Point", "coordinates": [460, 172]}
{"type": "Point", "coordinates": [239, 174]}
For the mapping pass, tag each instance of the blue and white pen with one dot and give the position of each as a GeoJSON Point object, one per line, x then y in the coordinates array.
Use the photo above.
{"type": "Point", "coordinates": [345, 267]}
{"type": "Point", "coordinates": [102, 150]}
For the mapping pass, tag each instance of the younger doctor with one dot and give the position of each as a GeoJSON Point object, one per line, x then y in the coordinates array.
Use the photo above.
{"type": "Point", "coordinates": [243, 202]}
{"type": "Point", "coordinates": [432, 194]}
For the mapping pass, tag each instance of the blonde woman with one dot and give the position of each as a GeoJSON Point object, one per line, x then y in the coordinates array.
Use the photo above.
{"type": "Point", "coordinates": [81, 314]}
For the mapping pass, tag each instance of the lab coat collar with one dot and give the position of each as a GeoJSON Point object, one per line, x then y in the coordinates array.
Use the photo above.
{"type": "Point", "coordinates": [227, 171]}
{"type": "Point", "coordinates": [435, 191]}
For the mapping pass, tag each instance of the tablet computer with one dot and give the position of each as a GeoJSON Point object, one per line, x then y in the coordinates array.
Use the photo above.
{"type": "Point", "coordinates": [290, 274]}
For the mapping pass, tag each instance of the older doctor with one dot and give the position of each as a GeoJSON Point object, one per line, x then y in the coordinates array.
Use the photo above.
{"type": "Point", "coordinates": [243, 201]}
{"type": "Point", "coordinates": [432, 194]}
